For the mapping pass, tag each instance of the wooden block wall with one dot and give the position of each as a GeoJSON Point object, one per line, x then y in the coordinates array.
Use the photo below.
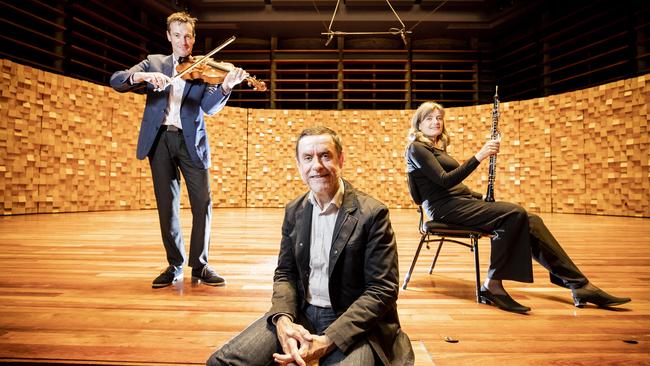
{"type": "Point", "coordinates": [471, 128]}
{"type": "Point", "coordinates": [127, 188]}
{"type": "Point", "coordinates": [272, 178]}
{"type": "Point", "coordinates": [228, 137]}
{"type": "Point", "coordinates": [20, 136]}
{"type": "Point", "coordinates": [76, 145]}
{"type": "Point", "coordinates": [228, 140]}
{"type": "Point", "coordinates": [534, 153]}
{"type": "Point", "coordinates": [354, 132]}
{"type": "Point", "coordinates": [146, 198]}
{"type": "Point", "coordinates": [567, 154]}
{"type": "Point", "coordinates": [374, 143]}
{"type": "Point", "coordinates": [617, 147]}
{"type": "Point", "coordinates": [68, 145]}
{"type": "Point", "coordinates": [468, 128]}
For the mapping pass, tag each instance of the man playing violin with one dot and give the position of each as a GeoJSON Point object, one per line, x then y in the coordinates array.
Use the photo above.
{"type": "Point", "coordinates": [174, 138]}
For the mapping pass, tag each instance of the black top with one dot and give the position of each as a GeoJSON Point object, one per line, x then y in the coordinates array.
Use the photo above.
{"type": "Point", "coordinates": [437, 175]}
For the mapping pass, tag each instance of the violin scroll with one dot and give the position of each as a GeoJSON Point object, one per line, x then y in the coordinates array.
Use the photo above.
{"type": "Point", "coordinates": [257, 85]}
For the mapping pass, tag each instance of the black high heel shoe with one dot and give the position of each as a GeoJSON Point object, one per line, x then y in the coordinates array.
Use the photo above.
{"type": "Point", "coordinates": [596, 296]}
{"type": "Point", "coordinates": [503, 302]}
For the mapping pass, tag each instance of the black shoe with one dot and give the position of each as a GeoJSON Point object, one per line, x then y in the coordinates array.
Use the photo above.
{"type": "Point", "coordinates": [167, 277]}
{"type": "Point", "coordinates": [596, 296]}
{"type": "Point", "coordinates": [208, 276]}
{"type": "Point", "coordinates": [503, 302]}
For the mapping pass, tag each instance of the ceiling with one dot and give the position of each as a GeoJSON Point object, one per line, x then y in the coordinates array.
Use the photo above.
{"type": "Point", "coordinates": [309, 18]}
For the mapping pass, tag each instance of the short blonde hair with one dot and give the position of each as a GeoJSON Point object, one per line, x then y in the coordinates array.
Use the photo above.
{"type": "Point", "coordinates": [420, 114]}
{"type": "Point", "coordinates": [181, 17]}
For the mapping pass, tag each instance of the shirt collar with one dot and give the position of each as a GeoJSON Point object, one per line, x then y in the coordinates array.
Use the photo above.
{"type": "Point", "coordinates": [336, 202]}
{"type": "Point", "coordinates": [176, 60]}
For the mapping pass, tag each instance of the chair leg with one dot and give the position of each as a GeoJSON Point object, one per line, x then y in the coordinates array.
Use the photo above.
{"type": "Point", "coordinates": [477, 268]}
{"type": "Point", "coordinates": [435, 259]}
{"type": "Point", "coordinates": [415, 259]}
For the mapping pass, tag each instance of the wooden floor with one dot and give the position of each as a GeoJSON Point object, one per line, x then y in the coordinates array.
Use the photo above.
{"type": "Point", "coordinates": [76, 289]}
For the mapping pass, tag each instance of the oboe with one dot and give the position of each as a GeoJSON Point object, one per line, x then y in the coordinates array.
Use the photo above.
{"type": "Point", "coordinates": [494, 135]}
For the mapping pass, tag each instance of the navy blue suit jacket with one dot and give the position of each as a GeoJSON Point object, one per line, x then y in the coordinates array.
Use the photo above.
{"type": "Point", "coordinates": [198, 98]}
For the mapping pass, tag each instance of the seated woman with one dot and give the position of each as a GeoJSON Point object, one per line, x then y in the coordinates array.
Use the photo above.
{"type": "Point", "coordinates": [519, 235]}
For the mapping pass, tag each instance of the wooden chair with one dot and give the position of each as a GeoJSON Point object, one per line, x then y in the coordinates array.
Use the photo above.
{"type": "Point", "coordinates": [438, 232]}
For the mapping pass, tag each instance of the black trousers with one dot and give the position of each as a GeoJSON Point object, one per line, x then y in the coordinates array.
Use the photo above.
{"type": "Point", "coordinates": [168, 156]}
{"type": "Point", "coordinates": [519, 236]}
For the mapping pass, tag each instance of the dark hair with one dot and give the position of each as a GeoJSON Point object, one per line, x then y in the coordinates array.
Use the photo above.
{"type": "Point", "coordinates": [320, 130]}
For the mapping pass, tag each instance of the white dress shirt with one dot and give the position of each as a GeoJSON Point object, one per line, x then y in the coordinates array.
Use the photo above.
{"type": "Point", "coordinates": [322, 231]}
{"type": "Point", "coordinates": [173, 111]}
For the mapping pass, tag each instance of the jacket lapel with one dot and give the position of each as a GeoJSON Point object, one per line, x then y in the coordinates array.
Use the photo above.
{"type": "Point", "coordinates": [168, 66]}
{"type": "Point", "coordinates": [186, 91]}
{"type": "Point", "coordinates": [303, 239]}
{"type": "Point", "coordinates": [168, 69]}
{"type": "Point", "coordinates": [344, 227]}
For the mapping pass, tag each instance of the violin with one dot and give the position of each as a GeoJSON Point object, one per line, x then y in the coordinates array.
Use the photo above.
{"type": "Point", "coordinates": [213, 72]}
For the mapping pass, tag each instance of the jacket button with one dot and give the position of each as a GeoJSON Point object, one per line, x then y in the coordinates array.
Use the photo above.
{"type": "Point", "coordinates": [300, 244]}
{"type": "Point", "coordinates": [336, 252]}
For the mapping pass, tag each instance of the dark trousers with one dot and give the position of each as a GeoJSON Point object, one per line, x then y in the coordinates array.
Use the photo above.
{"type": "Point", "coordinates": [168, 156]}
{"type": "Point", "coordinates": [519, 236]}
{"type": "Point", "coordinates": [257, 343]}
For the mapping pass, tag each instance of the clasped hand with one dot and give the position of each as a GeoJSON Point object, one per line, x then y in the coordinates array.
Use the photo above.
{"type": "Point", "coordinates": [300, 347]}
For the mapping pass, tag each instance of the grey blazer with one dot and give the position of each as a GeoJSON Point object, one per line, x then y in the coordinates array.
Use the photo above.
{"type": "Point", "coordinates": [198, 98]}
{"type": "Point", "coordinates": [363, 279]}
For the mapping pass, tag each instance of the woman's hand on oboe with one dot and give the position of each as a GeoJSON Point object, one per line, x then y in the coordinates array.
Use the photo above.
{"type": "Point", "coordinates": [490, 148]}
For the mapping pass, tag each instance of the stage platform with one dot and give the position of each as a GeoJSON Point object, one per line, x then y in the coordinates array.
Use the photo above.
{"type": "Point", "coordinates": [75, 288]}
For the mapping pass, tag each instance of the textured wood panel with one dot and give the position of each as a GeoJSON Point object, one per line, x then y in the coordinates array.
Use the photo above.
{"type": "Point", "coordinates": [534, 153]}
{"type": "Point", "coordinates": [471, 127]}
{"type": "Point", "coordinates": [227, 136]}
{"type": "Point", "coordinates": [354, 132]}
{"type": "Point", "coordinates": [567, 155]}
{"type": "Point", "coordinates": [455, 123]}
{"type": "Point", "coordinates": [126, 186]}
{"type": "Point", "coordinates": [373, 146]}
{"type": "Point", "coordinates": [20, 138]}
{"type": "Point", "coordinates": [228, 140]}
{"type": "Point", "coordinates": [514, 167]}
{"type": "Point", "coordinates": [617, 147]}
{"type": "Point", "coordinates": [374, 142]}
{"type": "Point", "coordinates": [76, 146]}
{"type": "Point", "coordinates": [272, 178]}
{"type": "Point", "coordinates": [146, 197]}
{"type": "Point", "coordinates": [69, 145]}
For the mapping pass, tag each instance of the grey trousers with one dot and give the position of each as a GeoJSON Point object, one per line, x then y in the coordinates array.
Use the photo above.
{"type": "Point", "coordinates": [257, 343]}
{"type": "Point", "coordinates": [168, 156]}
{"type": "Point", "coordinates": [520, 237]}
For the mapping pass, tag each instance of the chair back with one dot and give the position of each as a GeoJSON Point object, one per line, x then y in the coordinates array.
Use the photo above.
{"type": "Point", "coordinates": [413, 190]}
{"type": "Point", "coordinates": [415, 195]}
